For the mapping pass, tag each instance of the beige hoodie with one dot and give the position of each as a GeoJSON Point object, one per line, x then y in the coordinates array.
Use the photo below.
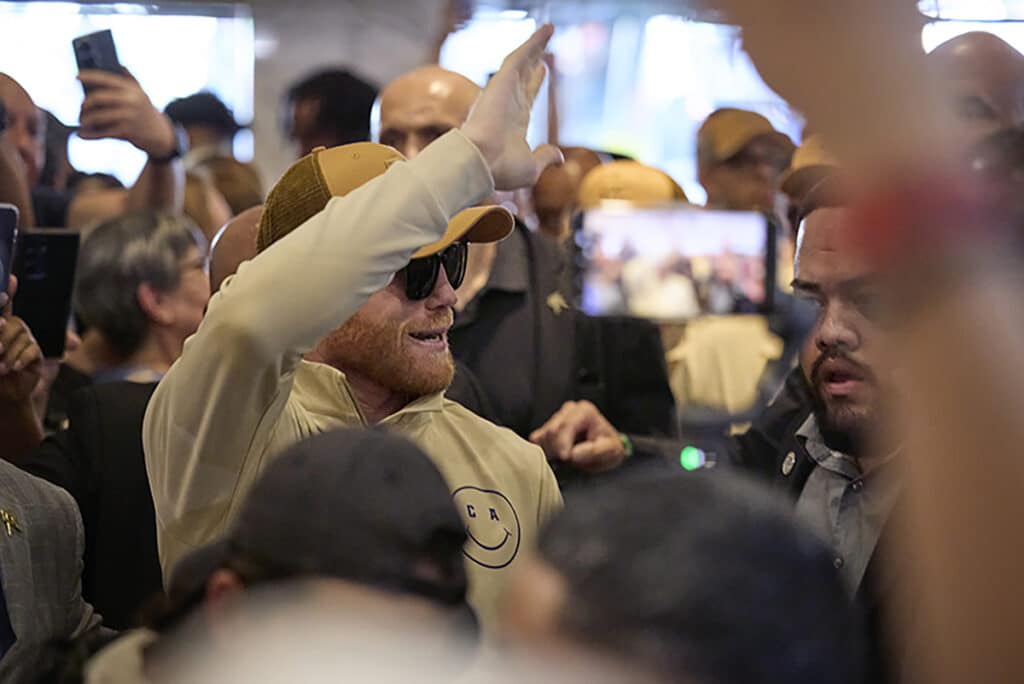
{"type": "Point", "coordinates": [241, 393]}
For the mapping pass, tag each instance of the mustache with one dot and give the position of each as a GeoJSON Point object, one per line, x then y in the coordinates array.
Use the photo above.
{"type": "Point", "coordinates": [838, 355]}
{"type": "Point", "coordinates": [441, 320]}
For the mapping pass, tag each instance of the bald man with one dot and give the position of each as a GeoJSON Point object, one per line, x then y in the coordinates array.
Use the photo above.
{"type": "Point", "coordinates": [233, 244]}
{"type": "Point", "coordinates": [515, 327]}
{"type": "Point", "coordinates": [422, 105]}
{"type": "Point", "coordinates": [116, 107]}
{"type": "Point", "coordinates": [984, 80]}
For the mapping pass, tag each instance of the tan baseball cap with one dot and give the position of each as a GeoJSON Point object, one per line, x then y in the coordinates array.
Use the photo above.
{"type": "Point", "coordinates": [630, 181]}
{"type": "Point", "coordinates": [811, 162]}
{"type": "Point", "coordinates": [307, 186]}
{"type": "Point", "coordinates": [726, 131]}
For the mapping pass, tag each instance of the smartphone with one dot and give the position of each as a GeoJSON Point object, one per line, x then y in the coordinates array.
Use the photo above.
{"type": "Point", "coordinates": [45, 266]}
{"type": "Point", "coordinates": [97, 51]}
{"type": "Point", "coordinates": [8, 232]}
{"type": "Point", "coordinates": [673, 263]}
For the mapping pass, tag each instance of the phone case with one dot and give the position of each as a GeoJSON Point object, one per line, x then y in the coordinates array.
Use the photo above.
{"type": "Point", "coordinates": [45, 265]}
{"type": "Point", "coordinates": [97, 51]}
{"type": "Point", "coordinates": [8, 232]}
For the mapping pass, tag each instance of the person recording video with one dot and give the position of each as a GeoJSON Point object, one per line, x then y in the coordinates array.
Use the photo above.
{"type": "Point", "coordinates": [115, 106]}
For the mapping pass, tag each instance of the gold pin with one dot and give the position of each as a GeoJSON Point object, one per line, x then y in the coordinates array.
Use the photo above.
{"type": "Point", "coordinates": [10, 522]}
{"type": "Point", "coordinates": [788, 463]}
{"type": "Point", "coordinates": [556, 302]}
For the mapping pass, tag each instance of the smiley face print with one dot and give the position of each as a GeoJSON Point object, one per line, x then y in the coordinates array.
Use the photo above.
{"type": "Point", "coordinates": [492, 526]}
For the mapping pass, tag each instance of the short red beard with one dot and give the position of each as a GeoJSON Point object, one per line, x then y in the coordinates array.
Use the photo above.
{"type": "Point", "coordinates": [379, 351]}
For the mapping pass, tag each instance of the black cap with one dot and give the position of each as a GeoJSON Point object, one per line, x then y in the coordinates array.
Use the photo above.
{"type": "Point", "coordinates": [203, 108]}
{"type": "Point", "coordinates": [360, 505]}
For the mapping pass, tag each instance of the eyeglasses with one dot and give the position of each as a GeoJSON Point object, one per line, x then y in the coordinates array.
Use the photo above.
{"type": "Point", "coordinates": [421, 274]}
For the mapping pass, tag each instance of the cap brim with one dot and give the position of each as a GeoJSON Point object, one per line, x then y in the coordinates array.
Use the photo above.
{"type": "Point", "coordinates": [476, 224]}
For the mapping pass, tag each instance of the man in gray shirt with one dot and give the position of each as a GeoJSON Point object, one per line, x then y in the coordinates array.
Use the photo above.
{"type": "Point", "coordinates": [819, 442]}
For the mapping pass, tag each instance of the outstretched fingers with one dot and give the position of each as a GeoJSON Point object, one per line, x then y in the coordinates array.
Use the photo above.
{"type": "Point", "coordinates": [524, 57]}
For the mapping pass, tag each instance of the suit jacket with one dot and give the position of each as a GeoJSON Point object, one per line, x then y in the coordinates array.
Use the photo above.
{"type": "Point", "coordinates": [532, 351]}
{"type": "Point", "coordinates": [41, 564]}
{"type": "Point", "coordinates": [98, 459]}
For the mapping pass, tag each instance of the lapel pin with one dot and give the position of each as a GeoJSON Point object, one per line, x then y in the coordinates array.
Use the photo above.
{"type": "Point", "coordinates": [10, 522]}
{"type": "Point", "coordinates": [556, 302]}
{"type": "Point", "coordinates": [788, 463]}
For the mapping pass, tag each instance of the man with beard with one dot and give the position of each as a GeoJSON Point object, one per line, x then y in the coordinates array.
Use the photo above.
{"type": "Point", "coordinates": [515, 328]}
{"type": "Point", "coordinates": [332, 325]}
{"type": "Point", "coordinates": [819, 440]}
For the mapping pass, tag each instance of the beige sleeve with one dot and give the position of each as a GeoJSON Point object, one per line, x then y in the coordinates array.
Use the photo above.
{"type": "Point", "coordinates": [208, 423]}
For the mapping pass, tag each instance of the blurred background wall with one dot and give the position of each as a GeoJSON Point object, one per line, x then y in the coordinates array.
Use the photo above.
{"type": "Point", "coordinates": [636, 77]}
{"type": "Point", "coordinates": [379, 39]}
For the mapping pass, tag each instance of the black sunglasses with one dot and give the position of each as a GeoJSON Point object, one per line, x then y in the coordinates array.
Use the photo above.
{"type": "Point", "coordinates": [421, 274]}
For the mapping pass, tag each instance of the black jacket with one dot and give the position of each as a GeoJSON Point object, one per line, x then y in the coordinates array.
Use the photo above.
{"type": "Point", "coordinates": [99, 460]}
{"type": "Point", "coordinates": [763, 451]}
{"type": "Point", "coordinates": [532, 351]}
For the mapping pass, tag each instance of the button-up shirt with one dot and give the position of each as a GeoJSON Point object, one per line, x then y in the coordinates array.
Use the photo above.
{"type": "Point", "coordinates": [847, 508]}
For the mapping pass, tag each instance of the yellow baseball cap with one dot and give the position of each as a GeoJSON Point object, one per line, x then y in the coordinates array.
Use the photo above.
{"type": "Point", "coordinates": [630, 181]}
{"type": "Point", "coordinates": [811, 162]}
{"type": "Point", "coordinates": [307, 186]}
{"type": "Point", "coordinates": [726, 131]}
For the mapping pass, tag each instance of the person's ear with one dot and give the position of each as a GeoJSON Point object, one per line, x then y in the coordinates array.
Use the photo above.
{"type": "Point", "coordinates": [154, 304]}
{"type": "Point", "coordinates": [222, 590]}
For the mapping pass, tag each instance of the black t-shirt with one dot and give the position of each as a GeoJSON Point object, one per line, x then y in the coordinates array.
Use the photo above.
{"type": "Point", "coordinates": [68, 381]}
{"type": "Point", "coordinates": [99, 460]}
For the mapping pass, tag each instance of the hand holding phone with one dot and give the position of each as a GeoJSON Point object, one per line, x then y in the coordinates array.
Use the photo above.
{"type": "Point", "coordinates": [21, 359]}
{"type": "Point", "coordinates": [116, 106]}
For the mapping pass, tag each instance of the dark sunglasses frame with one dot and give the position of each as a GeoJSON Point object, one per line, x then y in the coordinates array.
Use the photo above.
{"type": "Point", "coordinates": [420, 275]}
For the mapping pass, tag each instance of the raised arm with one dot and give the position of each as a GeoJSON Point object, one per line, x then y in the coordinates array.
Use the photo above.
{"type": "Point", "coordinates": [117, 107]}
{"type": "Point", "coordinates": [232, 381]}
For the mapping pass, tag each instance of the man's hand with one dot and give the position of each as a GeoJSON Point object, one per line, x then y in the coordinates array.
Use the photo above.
{"type": "Point", "coordinates": [21, 359]}
{"type": "Point", "coordinates": [579, 435]}
{"type": "Point", "coordinates": [117, 107]}
{"type": "Point", "coordinates": [497, 125]}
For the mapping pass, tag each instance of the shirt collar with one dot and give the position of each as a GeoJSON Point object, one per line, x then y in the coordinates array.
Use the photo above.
{"type": "Point", "coordinates": [830, 459]}
{"type": "Point", "coordinates": [325, 390]}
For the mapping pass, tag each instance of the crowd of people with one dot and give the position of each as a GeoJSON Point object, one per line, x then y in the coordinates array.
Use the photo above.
{"type": "Point", "coordinates": [324, 430]}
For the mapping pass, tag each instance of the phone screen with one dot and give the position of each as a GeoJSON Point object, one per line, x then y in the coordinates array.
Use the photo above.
{"type": "Point", "coordinates": [45, 266]}
{"type": "Point", "coordinates": [673, 263]}
{"type": "Point", "coordinates": [8, 231]}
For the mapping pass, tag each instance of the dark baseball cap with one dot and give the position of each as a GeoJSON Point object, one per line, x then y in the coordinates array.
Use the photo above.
{"type": "Point", "coordinates": [361, 505]}
{"type": "Point", "coordinates": [203, 108]}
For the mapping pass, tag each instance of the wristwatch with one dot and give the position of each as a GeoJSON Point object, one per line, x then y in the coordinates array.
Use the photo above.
{"type": "Point", "coordinates": [178, 151]}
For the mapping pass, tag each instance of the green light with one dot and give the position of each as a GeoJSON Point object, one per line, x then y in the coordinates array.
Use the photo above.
{"type": "Point", "coordinates": [691, 458]}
